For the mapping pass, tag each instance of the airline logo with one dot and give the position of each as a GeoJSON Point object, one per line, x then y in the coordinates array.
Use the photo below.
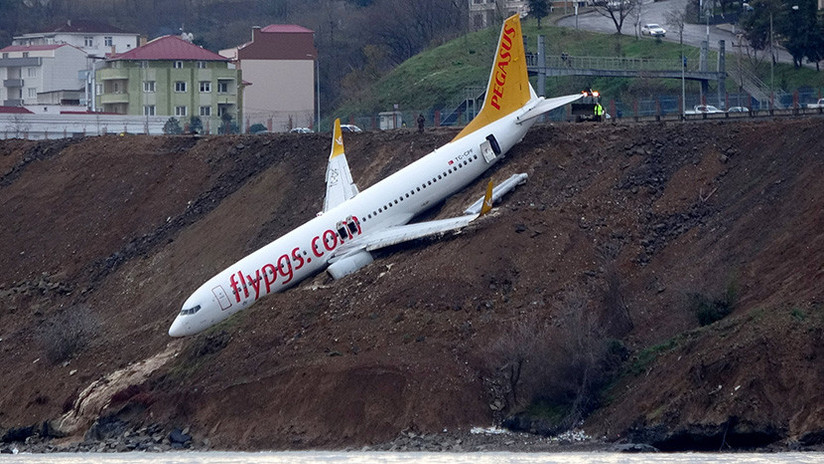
{"type": "Point", "coordinates": [504, 57]}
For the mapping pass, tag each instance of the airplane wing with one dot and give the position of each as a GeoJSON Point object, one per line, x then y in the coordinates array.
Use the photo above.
{"type": "Point", "coordinates": [407, 232]}
{"type": "Point", "coordinates": [339, 184]}
{"type": "Point", "coordinates": [548, 104]}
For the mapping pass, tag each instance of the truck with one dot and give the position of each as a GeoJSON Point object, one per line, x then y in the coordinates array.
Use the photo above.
{"type": "Point", "coordinates": [584, 109]}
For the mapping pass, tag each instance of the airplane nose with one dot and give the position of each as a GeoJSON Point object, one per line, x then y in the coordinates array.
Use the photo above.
{"type": "Point", "coordinates": [178, 328]}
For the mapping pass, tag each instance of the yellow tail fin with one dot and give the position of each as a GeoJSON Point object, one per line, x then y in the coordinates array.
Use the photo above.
{"type": "Point", "coordinates": [337, 141]}
{"type": "Point", "coordinates": [508, 88]}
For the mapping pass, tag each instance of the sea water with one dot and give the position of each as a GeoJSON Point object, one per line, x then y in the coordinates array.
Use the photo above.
{"type": "Point", "coordinates": [324, 457]}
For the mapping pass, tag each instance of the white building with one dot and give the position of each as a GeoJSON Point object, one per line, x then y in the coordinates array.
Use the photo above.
{"type": "Point", "coordinates": [485, 13]}
{"type": "Point", "coordinates": [279, 71]}
{"type": "Point", "coordinates": [43, 75]}
{"type": "Point", "coordinates": [96, 39]}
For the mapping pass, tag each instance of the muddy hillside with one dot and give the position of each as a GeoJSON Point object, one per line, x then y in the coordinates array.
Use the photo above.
{"type": "Point", "coordinates": [651, 283]}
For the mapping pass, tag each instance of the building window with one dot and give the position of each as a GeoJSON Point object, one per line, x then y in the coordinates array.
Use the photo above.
{"type": "Point", "coordinates": [205, 86]}
{"type": "Point", "coordinates": [31, 72]}
{"type": "Point", "coordinates": [180, 86]}
{"type": "Point", "coordinates": [99, 89]}
{"type": "Point", "coordinates": [107, 41]}
{"type": "Point", "coordinates": [25, 54]}
{"type": "Point", "coordinates": [149, 86]}
{"type": "Point", "coordinates": [115, 87]}
{"type": "Point", "coordinates": [222, 86]}
{"type": "Point", "coordinates": [32, 92]}
{"type": "Point", "coordinates": [88, 41]}
{"type": "Point", "coordinates": [178, 65]}
{"type": "Point", "coordinates": [149, 110]}
{"type": "Point", "coordinates": [143, 64]}
{"type": "Point", "coordinates": [201, 65]}
{"type": "Point", "coordinates": [205, 110]}
{"type": "Point", "coordinates": [180, 111]}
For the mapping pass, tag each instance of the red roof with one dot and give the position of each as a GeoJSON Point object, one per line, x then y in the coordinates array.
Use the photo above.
{"type": "Point", "coordinates": [32, 48]}
{"type": "Point", "coordinates": [14, 110]}
{"type": "Point", "coordinates": [170, 47]}
{"type": "Point", "coordinates": [286, 28]}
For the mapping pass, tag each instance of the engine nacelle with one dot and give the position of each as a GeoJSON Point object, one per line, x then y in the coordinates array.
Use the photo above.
{"type": "Point", "coordinates": [349, 264]}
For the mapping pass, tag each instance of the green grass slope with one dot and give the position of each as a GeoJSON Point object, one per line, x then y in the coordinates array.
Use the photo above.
{"type": "Point", "coordinates": [436, 78]}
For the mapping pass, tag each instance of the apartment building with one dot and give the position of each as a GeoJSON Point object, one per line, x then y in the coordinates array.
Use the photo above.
{"type": "Point", "coordinates": [95, 38]}
{"type": "Point", "coordinates": [39, 75]}
{"type": "Point", "coordinates": [170, 76]}
{"type": "Point", "coordinates": [279, 63]}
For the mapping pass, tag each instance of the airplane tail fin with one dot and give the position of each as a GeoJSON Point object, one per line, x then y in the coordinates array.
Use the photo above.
{"type": "Point", "coordinates": [508, 89]}
{"type": "Point", "coordinates": [337, 141]}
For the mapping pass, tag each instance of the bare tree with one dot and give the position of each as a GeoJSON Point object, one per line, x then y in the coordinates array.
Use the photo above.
{"type": "Point", "coordinates": [617, 11]}
{"type": "Point", "coordinates": [675, 20]}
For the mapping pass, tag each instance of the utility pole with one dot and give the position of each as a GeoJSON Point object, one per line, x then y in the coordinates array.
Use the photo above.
{"type": "Point", "coordinates": [772, 64]}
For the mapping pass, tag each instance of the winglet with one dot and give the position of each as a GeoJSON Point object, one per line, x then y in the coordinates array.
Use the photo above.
{"type": "Point", "coordinates": [487, 205]}
{"type": "Point", "coordinates": [337, 140]}
{"type": "Point", "coordinates": [508, 89]}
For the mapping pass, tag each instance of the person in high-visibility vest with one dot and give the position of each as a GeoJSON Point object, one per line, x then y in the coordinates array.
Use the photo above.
{"type": "Point", "coordinates": [599, 112]}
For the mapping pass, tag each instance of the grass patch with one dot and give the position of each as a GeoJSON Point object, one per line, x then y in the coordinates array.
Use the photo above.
{"type": "Point", "coordinates": [645, 358]}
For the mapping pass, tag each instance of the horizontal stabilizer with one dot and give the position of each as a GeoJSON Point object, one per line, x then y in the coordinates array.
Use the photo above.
{"type": "Point", "coordinates": [548, 104]}
{"type": "Point", "coordinates": [499, 191]}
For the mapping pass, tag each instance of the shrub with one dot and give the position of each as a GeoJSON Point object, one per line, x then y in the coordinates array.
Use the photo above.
{"type": "Point", "coordinates": [257, 127]}
{"type": "Point", "coordinates": [195, 125]}
{"type": "Point", "coordinates": [172, 127]}
{"type": "Point", "coordinates": [556, 373]}
{"type": "Point", "coordinates": [709, 309]}
{"type": "Point", "coordinates": [68, 333]}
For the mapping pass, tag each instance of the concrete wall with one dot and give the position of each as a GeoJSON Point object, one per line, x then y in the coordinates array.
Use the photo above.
{"type": "Point", "coordinates": [44, 126]}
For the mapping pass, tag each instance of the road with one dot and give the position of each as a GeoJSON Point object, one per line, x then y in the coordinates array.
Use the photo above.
{"type": "Point", "coordinates": [654, 12]}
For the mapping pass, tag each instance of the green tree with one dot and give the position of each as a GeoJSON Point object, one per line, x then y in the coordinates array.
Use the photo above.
{"type": "Point", "coordinates": [172, 127]}
{"type": "Point", "coordinates": [195, 125]}
{"type": "Point", "coordinates": [539, 9]}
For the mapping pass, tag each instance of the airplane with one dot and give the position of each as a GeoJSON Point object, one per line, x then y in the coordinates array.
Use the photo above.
{"type": "Point", "coordinates": [353, 224]}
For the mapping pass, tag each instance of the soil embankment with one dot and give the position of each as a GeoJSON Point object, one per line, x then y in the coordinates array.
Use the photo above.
{"type": "Point", "coordinates": [621, 237]}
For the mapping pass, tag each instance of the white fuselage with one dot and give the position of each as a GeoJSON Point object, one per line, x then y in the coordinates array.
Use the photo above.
{"type": "Point", "coordinates": [307, 249]}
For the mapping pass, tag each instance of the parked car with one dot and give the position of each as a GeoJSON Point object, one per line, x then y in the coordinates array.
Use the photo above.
{"type": "Point", "coordinates": [818, 104]}
{"type": "Point", "coordinates": [703, 109]}
{"type": "Point", "coordinates": [738, 109]}
{"type": "Point", "coordinates": [300, 130]}
{"type": "Point", "coordinates": [350, 128]}
{"type": "Point", "coordinates": [653, 30]}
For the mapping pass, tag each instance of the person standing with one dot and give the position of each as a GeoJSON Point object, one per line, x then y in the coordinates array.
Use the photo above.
{"type": "Point", "coordinates": [420, 121]}
{"type": "Point", "coordinates": [599, 112]}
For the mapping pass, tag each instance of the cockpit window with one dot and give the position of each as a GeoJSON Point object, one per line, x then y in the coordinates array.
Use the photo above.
{"type": "Point", "coordinates": [187, 311]}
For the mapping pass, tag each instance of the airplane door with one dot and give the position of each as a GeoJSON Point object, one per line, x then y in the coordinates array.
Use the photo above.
{"type": "Point", "coordinates": [486, 150]}
{"type": "Point", "coordinates": [222, 298]}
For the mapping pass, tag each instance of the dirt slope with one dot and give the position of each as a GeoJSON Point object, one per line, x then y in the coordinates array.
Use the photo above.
{"type": "Point", "coordinates": [619, 231]}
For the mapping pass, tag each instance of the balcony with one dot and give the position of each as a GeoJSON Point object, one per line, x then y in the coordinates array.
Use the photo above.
{"type": "Point", "coordinates": [13, 83]}
{"type": "Point", "coordinates": [19, 62]}
{"type": "Point", "coordinates": [111, 98]}
{"type": "Point", "coordinates": [109, 74]}
{"type": "Point", "coordinates": [13, 102]}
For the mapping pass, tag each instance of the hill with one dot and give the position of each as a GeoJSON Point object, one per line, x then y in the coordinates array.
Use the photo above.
{"type": "Point", "coordinates": [578, 298]}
